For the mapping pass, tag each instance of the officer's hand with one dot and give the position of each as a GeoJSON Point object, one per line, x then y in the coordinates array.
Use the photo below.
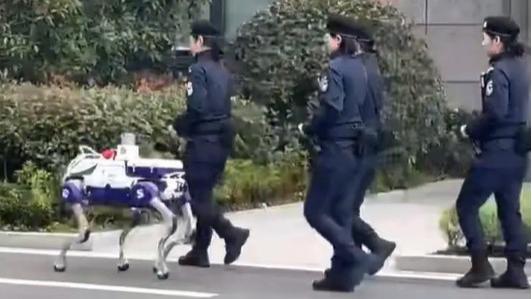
{"type": "Point", "coordinates": [463, 131]}
{"type": "Point", "coordinates": [300, 128]}
{"type": "Point", "coordinates": [171, 130]}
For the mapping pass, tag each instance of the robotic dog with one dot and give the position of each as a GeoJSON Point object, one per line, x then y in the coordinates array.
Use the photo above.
{"type": "Point", "coordinates": [122, 179]}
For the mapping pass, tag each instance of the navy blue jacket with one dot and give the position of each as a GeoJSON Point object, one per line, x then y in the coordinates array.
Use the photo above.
{"type": "Point", "coordinates": [371, 108]}
{"type": "Point", "coordinates": [505, 90]}
{"type": "Point", "coordinates": [342, 91]}
{"type": "Point", "coordinates": [209, 91]}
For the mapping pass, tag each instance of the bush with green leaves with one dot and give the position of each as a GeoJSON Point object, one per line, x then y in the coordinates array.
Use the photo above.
{"type": "Point", "coordinates": [31, 203]}
{"type": "Point", "coordinates": [248, 184]}
{"type": "Point", "coordinates": [450, 227]}
{"type": "Point", "coordinates": [282, 51]}
{"type": "Point", "coordinates": [453, 155]}
{"type": "Point", "coordinates": [83, 39]}
{"type": "Point", "coordinates": [47, 124]}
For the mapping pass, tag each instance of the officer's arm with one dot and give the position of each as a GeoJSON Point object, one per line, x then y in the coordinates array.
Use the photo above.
{"type": "Point", "coordinates": [496, 104]}
{"type": "Point", "coordinates": [196, 97]}
{"type": "Point", "coordinates": [331, 103]}
{"type": "Point", "coordinates": [196, 90]}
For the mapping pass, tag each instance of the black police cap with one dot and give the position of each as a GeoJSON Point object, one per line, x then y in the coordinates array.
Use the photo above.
{"type": "Point", "coordinates": [346, 26]}
{"type": "Point", "coordinates": [204, 28]}
{"type": "Point", "coordinates": [365, 30]}
{"type": "Point", "coordinates": [502, 26]}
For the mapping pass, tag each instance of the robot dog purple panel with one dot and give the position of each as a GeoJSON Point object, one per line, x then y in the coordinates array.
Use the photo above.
{"type": "Point", "coordinates": [125, 180]}
{"type": "Point", "coordinates": [139, 196]}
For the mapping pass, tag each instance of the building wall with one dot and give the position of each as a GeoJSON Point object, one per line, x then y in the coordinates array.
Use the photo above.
{"type": "Point", "coordinates": [452, 29]}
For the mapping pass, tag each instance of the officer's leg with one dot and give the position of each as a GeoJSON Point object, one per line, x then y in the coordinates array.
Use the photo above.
{"type": "Point", "coordinates": [197, 179]}
{"type": "Point", "coordinates": [202, 180]}
{"type": "Point", "coordinates": [326, 198]}
{"type": "Point", "coordinates": [318, 207]}
{"type": "Point", "coordinates": [508, 208]}
{"type": "Point", "coordinates": [363, 233]}
{"type": "Point", "coordinates": [476, 189]}
{"type": "Point", "coordinates": [346, 272]}
{"type": "Point", "coordinates": [234, 237]}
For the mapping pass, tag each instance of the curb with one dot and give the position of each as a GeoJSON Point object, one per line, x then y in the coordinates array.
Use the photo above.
{"type": "Point", "coordinates": [384, 276]}
{"type": "Point", "coordinates": [37, 240]}
{"type": "Point", "coordinates": [447, 264]}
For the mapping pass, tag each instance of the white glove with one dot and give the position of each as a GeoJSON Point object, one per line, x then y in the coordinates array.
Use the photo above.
{"type": "Point", "coordinates": [300, 128]}
{"type": "Point", "coordinates": [463, 131]}
{"type": "Point", "coordinates": [171, 130]}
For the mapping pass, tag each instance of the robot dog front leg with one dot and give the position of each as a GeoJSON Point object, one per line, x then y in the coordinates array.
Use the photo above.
{"type": "Point", "coordinates": [82, 237]}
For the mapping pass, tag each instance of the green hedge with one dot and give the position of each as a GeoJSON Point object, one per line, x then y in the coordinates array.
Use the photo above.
{"type": "Point", "coordinates": [31, 203]}
{"type": "Point", "coordinates": [46, 125]}
{"type": "Point", "coordinates": [248, 185]}
{"type": "Point", "coordinates": [450, 227]}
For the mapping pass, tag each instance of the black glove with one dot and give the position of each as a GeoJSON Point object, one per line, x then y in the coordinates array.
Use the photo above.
{"type": "Point", "coordinates": [367, 141]}
{"type": "Point", "coordinates": [522, 140]}
{"type": "Point", "coordinates": [182, 125]}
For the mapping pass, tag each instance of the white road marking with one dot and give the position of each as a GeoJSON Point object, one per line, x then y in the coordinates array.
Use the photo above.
{"type": "Point", "coordinates": [398, 275]}
{"type": "Point", "coordinates": [408, 275]}
{"type": "Point", "coordinates": [108, 288]}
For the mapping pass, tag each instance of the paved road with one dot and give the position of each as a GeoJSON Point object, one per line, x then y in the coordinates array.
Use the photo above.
{"type": "Point", "coordinates": [25, 276]}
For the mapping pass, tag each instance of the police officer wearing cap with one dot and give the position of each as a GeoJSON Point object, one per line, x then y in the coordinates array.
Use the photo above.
{"type": "Point", "coordinates": [208, 128]}
{"type": "Point", "coordinates": [500, 164]}
{"type": "Point", "coordinates": [328, 206]}
{"type": "Point", "coordinates": [370, 110]}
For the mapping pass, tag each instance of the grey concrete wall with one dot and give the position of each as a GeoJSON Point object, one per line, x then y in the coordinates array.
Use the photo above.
{"type": "Point", "coordinates": [452, 29]}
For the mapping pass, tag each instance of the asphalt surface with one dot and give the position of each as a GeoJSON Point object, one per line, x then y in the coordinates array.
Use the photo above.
{"type": "Point", "coordinates": [24, 276]}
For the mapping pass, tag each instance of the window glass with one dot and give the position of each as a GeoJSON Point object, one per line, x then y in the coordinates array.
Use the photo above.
{"type": "Point", "coordinates": [239, 11]}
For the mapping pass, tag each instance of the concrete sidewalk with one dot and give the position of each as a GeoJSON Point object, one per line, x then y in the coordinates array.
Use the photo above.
{"type": "Point", "coordinates": [280, 236]}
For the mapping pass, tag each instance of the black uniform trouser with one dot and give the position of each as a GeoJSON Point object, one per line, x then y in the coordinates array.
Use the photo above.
{"type": "Point", "coordinates": [204, 162]}
{"type": "Point", "coordinates": [329, 207]}
{"type": "Point", "coordinates": [505, 184]}
{"type": "Point", "coordinates": [362, 232]}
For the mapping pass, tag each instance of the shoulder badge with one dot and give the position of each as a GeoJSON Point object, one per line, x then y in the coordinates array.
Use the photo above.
{"type": "Point", "coordinates": [489, 88]}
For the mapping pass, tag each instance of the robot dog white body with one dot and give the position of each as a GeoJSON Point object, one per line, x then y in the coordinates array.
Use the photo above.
{"type": "Point", "coordinates": [124, 180]}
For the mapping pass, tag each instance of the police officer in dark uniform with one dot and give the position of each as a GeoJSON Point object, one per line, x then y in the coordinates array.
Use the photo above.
{"type": "Point", "coordinates": [336, 125]}
{"type": "Point", "coordinates": [208, 128]}
{"type": "Point", "coordinates": [363, 233]}
{"type": "Point", "coordinates": [500, 165]}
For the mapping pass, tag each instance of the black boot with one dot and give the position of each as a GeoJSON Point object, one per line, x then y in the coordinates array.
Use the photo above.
{"type": "Point", "coordinates": [343, 278]}
{"type": "Point", "coordinates": [329, 285]}
{"type": "Point", "coordinates": [480, 272]}
{"type": "Point", "coordinates": [381, 249]}
{"type": "Point", "coordinates": [196, 258]}
{"type": "Point", "coordinates": [364, 234]}
{"type": "Point", "coordinates": [234, 243]}
{"type": "Point", "coordinates": [514, 277]}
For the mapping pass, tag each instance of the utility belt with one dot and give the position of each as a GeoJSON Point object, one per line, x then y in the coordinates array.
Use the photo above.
{"type": "Point", "coordinates": [215, 126]}
{"type": "Point", "coordinates": [518, 140]}
{"type": "Point", "coordinates": [364, 139]}
{"type": "Point", "coordinates": [342, 131]}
